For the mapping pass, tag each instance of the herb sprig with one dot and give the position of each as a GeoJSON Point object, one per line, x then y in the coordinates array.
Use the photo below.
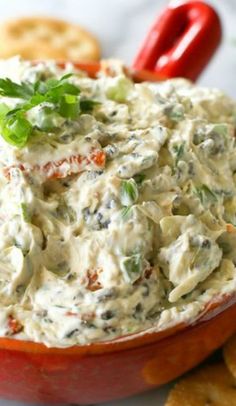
{"type": "Point", "coordinates": [63, 96]}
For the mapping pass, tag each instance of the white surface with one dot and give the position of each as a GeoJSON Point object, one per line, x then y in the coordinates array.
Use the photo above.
{"type": "Point", "coordinates": [121, 25]}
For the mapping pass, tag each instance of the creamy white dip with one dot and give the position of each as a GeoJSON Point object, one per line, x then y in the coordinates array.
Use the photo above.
{"type": "Point", "coordinates": [122, 219]}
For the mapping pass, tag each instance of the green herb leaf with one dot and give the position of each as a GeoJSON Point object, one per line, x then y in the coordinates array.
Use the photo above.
{"type": "Point", "coordinates": [132, 267]}
{"type": "Point", "coordinates": [35, 100]}
{"type": "Point", "coordinates": [58, 90]}
{"type": "Point", "coordinates": [9, 88]}
{"type": "Point", "coordinates": [66, 76]}
{"type": "Point", "coordinates": [13, 112]}
{"type": "Point", "coordinates": [129, 192]}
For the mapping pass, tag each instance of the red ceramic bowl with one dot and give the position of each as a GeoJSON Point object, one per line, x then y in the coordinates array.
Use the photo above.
{"type": "Point", "coordinates": [106, 371]}
{"type": "Point", "coordinates": [110, 370]}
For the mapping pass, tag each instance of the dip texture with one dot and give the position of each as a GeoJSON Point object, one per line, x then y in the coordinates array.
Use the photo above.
{"type": "Point", "coordinates": [117, 203]}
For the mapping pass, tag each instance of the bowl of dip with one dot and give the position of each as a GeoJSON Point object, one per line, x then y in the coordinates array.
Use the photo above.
{"type": "Point", "coordinates": [117, 218]}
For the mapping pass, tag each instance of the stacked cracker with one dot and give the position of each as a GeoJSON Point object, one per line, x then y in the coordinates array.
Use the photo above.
{"type": "Point", "coordinates": [212, 385]}
{"type": "Point", "coordinates": [46, 38]}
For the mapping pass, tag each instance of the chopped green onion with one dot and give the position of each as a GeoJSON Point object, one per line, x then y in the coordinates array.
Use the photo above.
{"type": "Point", "coordinates": [119, 89]}
{"type": "Point", "coordinates": [126, 212]}
{"type": "Point", "coordinates": [129, 192]}
{"type": "Point", "coordinates": [16, 130]}
{"type": "Point", "coordinates": [205, 194]}
{"type": "Point", "coordinates": [132, 267]}
{"type": "Point", "coordinates": [69, 107]}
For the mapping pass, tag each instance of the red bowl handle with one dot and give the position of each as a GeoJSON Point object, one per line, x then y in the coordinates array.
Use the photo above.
{"type": "Point", "coordinates": [182, 40]}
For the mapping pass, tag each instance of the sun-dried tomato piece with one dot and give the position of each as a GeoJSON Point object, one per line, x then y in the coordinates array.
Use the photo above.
{"type": "Point", "coordinates": [93, 282]}
{"type": "Point", "coordinates": [65, 166]}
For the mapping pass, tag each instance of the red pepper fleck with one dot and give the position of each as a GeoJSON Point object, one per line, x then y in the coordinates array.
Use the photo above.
{"type": "Point", "coordinates": [69, 313]}
{"type": "Point", "coordinates": [14, 325]}
{"type": "Point", "coordinates": [93, 282]}
{"type": "Point", "coordinates": [98, 157]}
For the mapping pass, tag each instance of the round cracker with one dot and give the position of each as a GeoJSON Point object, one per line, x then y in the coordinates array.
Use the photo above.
{"type": "Point", "coordinates": [43, 38]}
{"type": "Point", "coordinates": [229, 352]}
{"type": "Point", "coordinates": [212, 385]}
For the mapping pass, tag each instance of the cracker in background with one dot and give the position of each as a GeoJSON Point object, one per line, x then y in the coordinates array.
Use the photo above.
{"type": "Point", "coordinates": [46, 38]}
{"type": "Point", "coordinates": [212, 385]}
{"type": "Point", "coordinates": [229, 352]}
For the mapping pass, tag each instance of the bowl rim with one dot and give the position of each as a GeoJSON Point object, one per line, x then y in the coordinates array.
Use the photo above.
{"type": "Point", "coordinates": [218, 304]}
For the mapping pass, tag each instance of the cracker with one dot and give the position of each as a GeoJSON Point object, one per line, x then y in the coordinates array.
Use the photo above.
{"type": "Point", "coordinates": [43, 38]}
{"type": "Point", "coordinates": [212, 385]}
{"type": "Point", "coordinates": [229, 352]}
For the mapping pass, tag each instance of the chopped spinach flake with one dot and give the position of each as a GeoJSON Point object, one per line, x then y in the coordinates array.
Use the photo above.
{"type": "Point", "coordinates": [174, 112]}
{"type": "Point", "coordinates": [205, 194]}
{"type": "Point", "coordinates": [88, 105]}
{"type": "Point", "coordinates": [178, 151]}
{"type": "Point", "coordinates": [25, 212]}
{"type": "Point", "coordinates": [139, 178]}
